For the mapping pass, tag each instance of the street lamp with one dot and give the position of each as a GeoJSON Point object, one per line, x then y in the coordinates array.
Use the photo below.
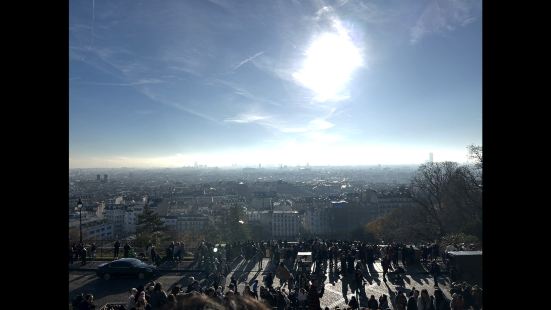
{"type": "Point", "coordinates": [79, 206]}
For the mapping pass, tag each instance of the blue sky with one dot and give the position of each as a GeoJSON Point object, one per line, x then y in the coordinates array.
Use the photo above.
{"type": "Point", "coordinates": [220, 82]}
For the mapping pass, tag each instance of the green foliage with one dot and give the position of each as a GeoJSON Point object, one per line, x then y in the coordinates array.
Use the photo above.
{"type": "Point", "coordinates": [363, 233]}
{"type": "Point", "coordinates": [213, 233]}
{"type": "Point", "coordinates": [235, 230]}
{"type": "Point", "coordinates": [150, 228]}
{"type": "Point", "coordinates": [259, 232]}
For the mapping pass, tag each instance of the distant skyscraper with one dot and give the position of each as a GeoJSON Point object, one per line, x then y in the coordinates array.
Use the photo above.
{"type": "Point", "coordinates": [259, 166]}
{"type": "Point", "coordinates": [430, 157]}
{"type": "Point", "coordinates": [105, 178]}
{"type": "Point", "coordinates": [98, 177]}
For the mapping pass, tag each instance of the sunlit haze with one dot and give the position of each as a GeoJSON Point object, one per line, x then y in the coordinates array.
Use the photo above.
{"type": "Point", "coordinates": [224, 83]}
{"type": "Point", "coordinates": [330, 61]}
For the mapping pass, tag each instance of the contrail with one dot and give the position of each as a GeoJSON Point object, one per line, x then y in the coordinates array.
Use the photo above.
{"type": "Point", "coordinates": [93, 19]}
{"type": "Point", "coordinates": [247, 60]}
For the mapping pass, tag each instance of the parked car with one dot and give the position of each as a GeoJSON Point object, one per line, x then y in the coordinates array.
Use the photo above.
{"type": "Point", "coordinates": [125, 267]}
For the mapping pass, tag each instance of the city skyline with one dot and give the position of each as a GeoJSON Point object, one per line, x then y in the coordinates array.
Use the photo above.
{"type": "Point", "coordinates": [335, 83]}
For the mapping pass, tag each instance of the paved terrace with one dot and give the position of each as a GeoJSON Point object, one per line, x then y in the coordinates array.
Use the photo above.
{"type": "Point", "coordinates": [82, 279]}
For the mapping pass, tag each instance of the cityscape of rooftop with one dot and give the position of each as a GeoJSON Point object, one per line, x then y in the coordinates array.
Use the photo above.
{"type": "Point", "coordinates": [218, 145]}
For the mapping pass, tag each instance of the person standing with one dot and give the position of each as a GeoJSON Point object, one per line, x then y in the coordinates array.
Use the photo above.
{"type": "Point", "coordinates": [153, 254]}
{"type": "Point", "coordinates": [314, 296]}
{"type": "Point", "coordinates": [440, 302]}
{"type": "Point", "coordinates": [158, 297]}
{"type": "Point", "coordinates": [435, 271]}
{"type": "Point", "coordinates": [358, 276]}
{"type": "Point", "coordinates": [75, 251]}
{"type": "Point", "coordinates": [457, 302]}
{"type": "Point", "coordinates": [126, 249]}
{"type": "Point", "coordinates": [171, 251]}
{"type": "Point", "coordinates": [291, 282]}
{"type": "Point", "coordinates": [177, 252]}
{"type": "Point", "coordinates": [131, 303]}
{"type": "Point", "coordinates": [412, 301]}
{"type": "Point", "coordinates": [282, 273]}
{"type": "Point", "coordinates": [424, 302]}
{"type": "Point", "coordinates": [83, 255]}
{"type": "Point", "coordinates": [353, 303]}
{"type": "Point", "coordinates": [385, 264]}
{"type": "Point", "coordinates": [93, 251]}
{"type": "Point", "coordinates": [71, 255]}
{"type": "Point", "coordinates": [372, 303]}
{"type": "Point", "coordinates": [401, 301]}
{"type": "Point", "coordinates": [233, 282]}
{"type": "Point", "coordinates": [260, 257]}
{"type": "Point", "coordinates": [383, 302]}
{"type": "Point", "coordinates": [116, 247]}
{"type": "Point", "coordinates": [87, 303]}
{"type": "Point", "coordinates": [269, 280]}
{"type": "Point", "coordinates": [79, 251]}
{"type": "Point", "coordinates": [255, 288]}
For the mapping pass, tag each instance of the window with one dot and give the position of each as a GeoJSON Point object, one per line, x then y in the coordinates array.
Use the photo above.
{"type": "Point", "coordinates": [120, 265]}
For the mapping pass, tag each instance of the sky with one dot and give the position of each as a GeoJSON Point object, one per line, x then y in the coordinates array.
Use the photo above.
{"type": "Point", "coordinates": [224, 82]}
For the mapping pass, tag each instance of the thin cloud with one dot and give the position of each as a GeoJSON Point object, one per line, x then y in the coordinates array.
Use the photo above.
{"type": "Point", "coordinates": [176, 105]}
{"type": "Point", "coordinates": [440, 16]}
{"type": "Point", "coordinates": [238, 90]}
{"type": "Point", "coordinates": [246, 118]}
{"type": "Point", "coordinates": [139, 82]}
{"type": "Point", "coordinates": [247, 60]}
{"type": "Point", "coordinates": [315, 125]}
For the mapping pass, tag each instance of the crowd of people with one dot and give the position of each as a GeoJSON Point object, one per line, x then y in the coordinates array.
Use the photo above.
{"type": "Point", "coordinates": [81, 252]}
{"type": "Point", "coordinates": [301, 284]}
{"type": "Point", "coordinates": [152, 296]}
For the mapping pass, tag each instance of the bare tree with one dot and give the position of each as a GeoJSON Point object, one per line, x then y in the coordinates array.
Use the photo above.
{"type": "Point", "coordinates": [450, 196]}
{"type": "Point", "coordinates": [475, 153]}
{"type": "Point", "coordinates": [429, 189]}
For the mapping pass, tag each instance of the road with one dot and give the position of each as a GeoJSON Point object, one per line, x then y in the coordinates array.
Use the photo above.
{"type": "Point", "coordinates": [117, 290]}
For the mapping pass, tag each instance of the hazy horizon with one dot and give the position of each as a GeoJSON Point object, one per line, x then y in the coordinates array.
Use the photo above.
{"type": "Point", "coordinates": [220, 83]}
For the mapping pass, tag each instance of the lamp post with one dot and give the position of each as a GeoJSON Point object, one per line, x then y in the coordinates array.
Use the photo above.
{"type": "Point", "coordinates": [79, 206]}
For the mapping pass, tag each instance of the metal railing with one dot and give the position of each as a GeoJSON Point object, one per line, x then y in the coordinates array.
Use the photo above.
{"type": "Point", "coordinates": [105, 250]}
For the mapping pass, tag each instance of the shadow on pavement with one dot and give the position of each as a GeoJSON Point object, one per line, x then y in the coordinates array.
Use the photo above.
{"type": "Point", "coordinates": [101, 288]}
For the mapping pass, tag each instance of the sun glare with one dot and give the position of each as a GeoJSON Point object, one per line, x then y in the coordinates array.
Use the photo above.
{"type": "Point", "coordinates": [330, 61]}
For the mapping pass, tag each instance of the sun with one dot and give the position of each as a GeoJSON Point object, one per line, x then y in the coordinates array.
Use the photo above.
{"type": "Point", "coordinates": [329, 63]}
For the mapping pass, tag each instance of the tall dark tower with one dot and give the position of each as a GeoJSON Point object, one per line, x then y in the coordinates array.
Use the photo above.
{"type": "Point", "coordinates": [105, 178]}
{"type": "Point", "coordinates": [98, 177]}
